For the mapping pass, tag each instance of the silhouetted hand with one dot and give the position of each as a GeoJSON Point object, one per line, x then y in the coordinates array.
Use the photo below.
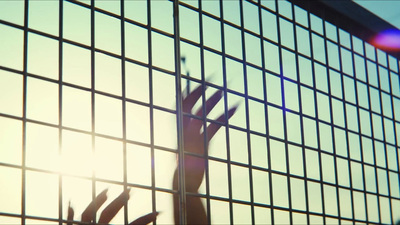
{"type": "Point", "coordinates": [194, 142]}
{"type": "Point", "coordinates": [110, 211]}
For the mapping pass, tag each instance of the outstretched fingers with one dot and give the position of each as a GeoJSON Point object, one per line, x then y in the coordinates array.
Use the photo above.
{"type": "Point", "coordinates": [210, 104]}
{"type": "Point", "coordinates": [146, 219]}
{"type": "Point", "coordinates": [88, 214]}
{"type": "Point", "coordinates": [191, 99]}
{"type": "Point", "coordinates": [188, 103]}
{"type": "Point", "coordinates": [214, 127]}
{"type": "Point", "coordinates": [112, 209]}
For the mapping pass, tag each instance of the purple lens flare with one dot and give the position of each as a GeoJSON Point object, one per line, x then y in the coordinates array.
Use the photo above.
{"type": "Point", "coordinates": [387, 40]}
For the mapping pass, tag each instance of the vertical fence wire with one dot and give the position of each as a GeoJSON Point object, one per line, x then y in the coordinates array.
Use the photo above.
{"type": "Point", "coordinates": [377, 198]}
{"type": "Point", "coordinates": [179, 114]}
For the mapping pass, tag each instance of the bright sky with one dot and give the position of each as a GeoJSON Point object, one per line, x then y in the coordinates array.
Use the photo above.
{"type": "Point", "coordinates": [386, 9]}
{"type": "Point", "coordinates": [77, 156]}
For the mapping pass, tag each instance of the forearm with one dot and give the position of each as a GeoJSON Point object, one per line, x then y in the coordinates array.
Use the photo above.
{"type": "Point", "coordinates": [195, 210]}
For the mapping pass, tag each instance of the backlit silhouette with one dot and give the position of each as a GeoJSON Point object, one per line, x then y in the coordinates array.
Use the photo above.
{"type": "Point", "coordinates": [194, 142]}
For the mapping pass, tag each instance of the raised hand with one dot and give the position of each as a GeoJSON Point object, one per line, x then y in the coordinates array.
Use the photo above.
{"type": "Point", "coordinates": [194, 142]}
{"type": "Point", "coordinates": [110, 211]}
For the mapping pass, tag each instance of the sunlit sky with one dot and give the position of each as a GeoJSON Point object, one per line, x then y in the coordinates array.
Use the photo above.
{"type": "Point", "coordinates": [76, 156]}
{"type": "Point", "coordinates": [388, 10]}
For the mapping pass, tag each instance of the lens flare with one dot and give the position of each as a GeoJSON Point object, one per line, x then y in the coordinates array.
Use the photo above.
{"type": "Point", "coordinates": [388, 40]}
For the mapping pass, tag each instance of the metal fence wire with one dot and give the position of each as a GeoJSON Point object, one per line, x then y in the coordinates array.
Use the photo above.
{"type": "Point", "coordinates": [303, 116]}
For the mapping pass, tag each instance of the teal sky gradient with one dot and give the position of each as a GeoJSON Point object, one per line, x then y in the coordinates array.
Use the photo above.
{"type": "Point", "coordinates": [388, 10]}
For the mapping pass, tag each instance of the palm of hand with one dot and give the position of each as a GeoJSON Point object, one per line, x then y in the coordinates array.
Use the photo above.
{"type": "Point", "coordinates": [195, 161]}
